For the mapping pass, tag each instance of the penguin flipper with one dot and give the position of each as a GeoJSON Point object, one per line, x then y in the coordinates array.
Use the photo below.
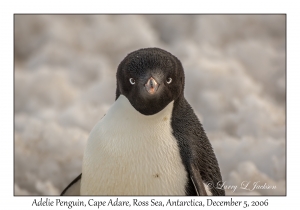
{"type": "Point", "coordinates": [197, 181]}
{"type": "Point", "coordinates": [73, 188]}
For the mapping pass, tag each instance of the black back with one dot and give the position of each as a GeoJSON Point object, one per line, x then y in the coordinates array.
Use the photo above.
{"type": "Point", "coordinates": [195, 148]}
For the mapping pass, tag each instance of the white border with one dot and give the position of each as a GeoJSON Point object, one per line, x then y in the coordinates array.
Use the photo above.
{"type": "Point", "coordinates": [8, 201]}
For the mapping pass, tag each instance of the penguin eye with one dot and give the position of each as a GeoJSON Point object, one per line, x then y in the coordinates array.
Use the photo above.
{"type": "Point", "coordinates": [132, 81]}
{"type": "Point", "coordinates": [169, 80]}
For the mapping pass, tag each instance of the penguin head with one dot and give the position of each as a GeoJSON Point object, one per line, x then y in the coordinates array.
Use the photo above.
{"type": "Point", "coordinates": [150, 79]}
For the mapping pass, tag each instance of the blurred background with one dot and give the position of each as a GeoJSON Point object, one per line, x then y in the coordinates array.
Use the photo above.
{"type": "Point", "coordinates": [65, 68]}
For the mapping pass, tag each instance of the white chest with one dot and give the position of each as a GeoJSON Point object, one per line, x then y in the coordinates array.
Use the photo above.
{"type": "Point", "coordinates": [132, 154]}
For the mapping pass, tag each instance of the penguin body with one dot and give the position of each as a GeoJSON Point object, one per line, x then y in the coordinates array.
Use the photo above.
{"type": "Point", "coordinates": [126, 141]}
{"type": "Point", "coordinates": [150, 142]}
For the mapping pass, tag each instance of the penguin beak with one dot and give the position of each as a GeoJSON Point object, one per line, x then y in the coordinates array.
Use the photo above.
{"type": "Point", "coordinates": [151, 86]}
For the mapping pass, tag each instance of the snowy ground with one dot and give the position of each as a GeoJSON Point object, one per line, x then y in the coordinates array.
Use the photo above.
{"type": "Point", "coordinates": [65, 81]}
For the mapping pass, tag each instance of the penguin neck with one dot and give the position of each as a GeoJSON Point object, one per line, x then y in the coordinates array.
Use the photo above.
{"type": "Point", "coordinates": [123, 110]}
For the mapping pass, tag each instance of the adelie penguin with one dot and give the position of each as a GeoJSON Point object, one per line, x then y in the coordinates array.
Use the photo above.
{"type": "Point", "coordinates": [150, 142]}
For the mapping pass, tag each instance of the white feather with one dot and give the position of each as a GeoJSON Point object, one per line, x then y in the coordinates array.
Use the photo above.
{"type": "Point", "coordinates": [129, 153]}
{"type": "Point", "coordinates": [207, 189]}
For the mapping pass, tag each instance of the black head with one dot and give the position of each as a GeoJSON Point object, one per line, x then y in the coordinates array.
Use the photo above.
{"type": "Point", "coordinates": [150, 78]}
